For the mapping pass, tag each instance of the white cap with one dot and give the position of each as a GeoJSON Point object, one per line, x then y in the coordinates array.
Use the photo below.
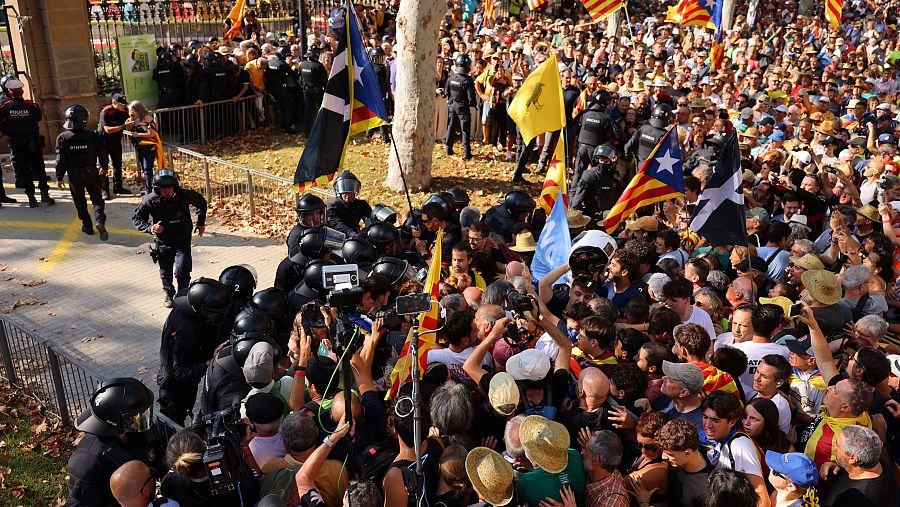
{"type": "Point", "coordinates": [530, 364]}
{"type": "Point", "coordinates": [802, 156]}
{"type": "Point", "coordinates": [14, 84]}
{"type": "Point", "coordinates": [799, 219]}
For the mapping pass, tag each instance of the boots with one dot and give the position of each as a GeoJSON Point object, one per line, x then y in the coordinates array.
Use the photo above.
{"type": "Point", "coordinates": [45, 197]}
{"type": "Point", "coordinates": [32, 202]}
{"type": "Point", "coordinates": [104, 235]}
{"type": "Point", "coordinates": [4, 199]}
{"type": "Point", "coordinates": [119, 189]}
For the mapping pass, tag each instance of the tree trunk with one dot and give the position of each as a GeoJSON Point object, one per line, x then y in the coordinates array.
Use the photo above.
{"type": "Point", "coordinates": [414, 105]}
{"type": "Point", "coordinates": [727, 14]}
{"type": "Point", "coordinates": [613, 24]}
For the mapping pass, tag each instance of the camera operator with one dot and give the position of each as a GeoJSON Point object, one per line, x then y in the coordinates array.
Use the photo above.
{"type": "Point", "coordinates": [587, 261]}
{"type": "Point", "coordinates": [133, 485]}
{"type": "Point", "coordinates": [117, 429]}
{"type": "Point", "coordinates": [264, 411]}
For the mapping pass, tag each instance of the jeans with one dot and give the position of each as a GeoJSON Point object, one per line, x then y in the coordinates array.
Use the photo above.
{"type": "Point", "coordinates": [146, 158]}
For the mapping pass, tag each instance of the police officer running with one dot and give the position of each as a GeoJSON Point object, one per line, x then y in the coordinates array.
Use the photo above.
{"type": "Point", "coordinates": [117, 429]}
{"type": "Point", "coordinates": [78, 151]}
{"type": "Point", "coordinates": [110, 127]}
{"type": "Point", "coordinates": [313, 78]}
{"type": "Point", "coordinates": [165, 212]}
{"type": "Point", "coordinates": [19, 119]}
{"type": "Point", "coordinates": [460, 93]}
{"type": "Point", "coordinates": [345, 211]}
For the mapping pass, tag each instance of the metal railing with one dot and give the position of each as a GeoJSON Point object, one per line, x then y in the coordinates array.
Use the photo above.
{"type": "Point", "coordinates": [193, 124]}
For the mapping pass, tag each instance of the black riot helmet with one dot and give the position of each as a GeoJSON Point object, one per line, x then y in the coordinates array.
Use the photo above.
{"type": "Point", "coordinates": [518, 202]}
{"type": "Point", "coordinates": [358, 251]}
{"type": "Point", "coordinates": [284, 52]}
{"type": "Point", "coordinates": [438, 206]}
{"type": "Point", "coordinates": [208, 298]}
{"type": "Point", "coordinates": [716, 141]}
{"type": "Point", "coordinates": [463, 63]}
{"type": "Point", "coordinates": [602, 98]}
{"type": "Point", "coordinates": [346, 183]}
{"type": "Point", "coordinates": [312, 53]}
{"type": "Point", "coordinates": [190, 62]}
{"type": "Point", "coordinates": [271, 301]}
{"type": "Point", "coordinates": [383, 213]}
{"type": "Point", "coordinates": [460, 198]}
{"type": "Point", "coordinates": [310, 210]}
{"type": "Point", "coordinates": [251, 320]}
{"type": "Point", "coordinates": [382, 234]}
{"type": "Point", "coordinates": [164, 178]}
{"type": "Point", "coordinates": [76, 117]}
{"type": "Point", "coordinates": [175, 48]}
{"type": "Point", "coordinates": [315, 242]}
{"type": "Point", "coordinates": [394, 269]}
{"type": "Point", "coordinates": [312, 276]}
{"type": "Point", "coordinates": [240, 280]}
{"type": "Point", "coordinates": [414, 218]}
{"type": "Point", "coordinates": [162, 54]}
{"type": "Point", "coordinates": [241, 346]}
{"type": "Point", "coordinates": [604, 156]}
{"type": "Point", "coordinates": [194, 45]}
{"type": "Point", "coordinates": [118, 406]}
{"type": "Point", "coordinates": [661, 116]}
{"type": "Point", "coordinates": [378, 54]}
{"type": "Point", "coordinates": [211, 57]}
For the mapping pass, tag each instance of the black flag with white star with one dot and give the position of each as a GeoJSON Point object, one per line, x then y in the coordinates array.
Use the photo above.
{"type": "Point", "coordinates": [719, 215]}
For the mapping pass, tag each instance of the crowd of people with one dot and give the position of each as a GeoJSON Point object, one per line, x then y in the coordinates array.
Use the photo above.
{"type": "Point", "coordinates": [652, 368]}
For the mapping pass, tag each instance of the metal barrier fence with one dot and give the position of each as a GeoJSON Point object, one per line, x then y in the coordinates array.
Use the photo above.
{"type": "Point", "coordinates": [187, 125]}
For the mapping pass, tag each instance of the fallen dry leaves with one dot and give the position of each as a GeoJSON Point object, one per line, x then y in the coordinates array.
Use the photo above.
{"type": "Point", "coordinates": [30, 300]}
{"type": "Point", "coordinates": [32, 283]}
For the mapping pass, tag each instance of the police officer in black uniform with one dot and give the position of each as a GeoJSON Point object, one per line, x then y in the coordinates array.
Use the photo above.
{"type": "Point", "coordinates": [345, 212]}
{"type": "Point", "coordinates": [596, 128]}
{"type": "Point", "coordinates": [460, 93]}
{"type": "Point", "coordinates": [117, 428]}
{"type": "Point", "coordinates": [241, 281]}
{"type": "Point", "coordinates": [4, 96]}
{"type": "Point", "coordinates": [280, 79]}
{"type": "Point", "coordinates": [515, 208]}
{"type": "Point", "coordinates": [383, 76]}
{"type": "Point", "coordinates": [166, 213]}
{"type": "Point", "coordinates": [110, 127]}
{"type": "Point", "coordinates": [708, 153]}
{"type": "Point", "coordinates": [78, 152]}
{"type": "Point", "coordinates": [215, 85]}
{"type": "Point", "coordinates": [310, 213]}
{"type": "Point", "coordinates": [598, 189]}
{"type": "Point", "coordinates": [190, 336]}
{"type": "Point", "coordinates": [645, 139]}
{"type": "Point", "coordinates": [19, 120]}
{"type": "Point", "coordinates": [313, 78]}
{"type": "Point", "coordinates": [169, 77]}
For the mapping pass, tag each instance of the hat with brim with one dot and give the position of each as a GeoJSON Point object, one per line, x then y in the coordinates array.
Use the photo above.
{"type": "Point", "coordinates": [802, 345]}
{"type": "Point", "coordinates": [491, 475]}
{"type": "Point", "coordinates": [808, 262]}
{"type": "Point", "coordinates": [545, 442]}
{"type": "Point", "coordinates": [869, 212]}
{"type": "Point", "coordinates": [781, 301]}
{"type": "Point", "coordinates": [638, 86]}
{"type": "Point", "coordinates": [649, 224]}
{"type": "Point", "coordinates": [503, 393]}
{"type": "Point", "coordinates": [799, 219]}
{"type": "Point", "coordinates": [524, 243]}
{"type": "Point", "coordinates": [576, 219]}
{"type": "Point", "coordinates": [822, 285]}
{"type": "Point", "coordinates": [827, 128]}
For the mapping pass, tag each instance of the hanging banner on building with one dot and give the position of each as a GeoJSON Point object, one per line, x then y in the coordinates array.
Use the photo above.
{"type": "Point", "coordinates": [137, 60]}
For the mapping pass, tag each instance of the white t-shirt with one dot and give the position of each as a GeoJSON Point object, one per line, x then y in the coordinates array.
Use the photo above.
{"type": "Point", "coordinates": [755, 352]}
{"type": "Point", "coordinates": [725, 339]}
{"type": "Point", "coordinates": [455, 360]}
{"type": "Point", "coordinates": [267, 447]}
{"type": "Point", "coordinates": [740, 456]}
{"type": "Point", "coordinates": [784, 411]}
{"type": "Point", "coordinates": [701, 318]}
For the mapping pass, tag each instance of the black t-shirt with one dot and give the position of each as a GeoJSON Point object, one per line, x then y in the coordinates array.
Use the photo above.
{"type": "Point", "coordinates": [688, 489]}
{"type": "Point", "coordinates": [846, 492]}
{"type": "Point", "coordinates": [431, 458]}
{"type": "Point", "coordinates": [111, 117]}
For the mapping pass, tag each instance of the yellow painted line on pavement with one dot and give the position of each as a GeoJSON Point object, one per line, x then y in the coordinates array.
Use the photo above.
{"type": "Point", "coordinates": [62, 247]}
{"type": "Point", "coordinates": [49, 225]}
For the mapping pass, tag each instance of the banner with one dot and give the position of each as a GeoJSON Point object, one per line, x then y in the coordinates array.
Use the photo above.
{"type": "Point", "coordinates": [137, 61]}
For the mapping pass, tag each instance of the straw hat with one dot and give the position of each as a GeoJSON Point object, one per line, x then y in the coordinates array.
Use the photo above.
{"type": "Point", "coordinates": [503, 393]}
{"type": "Point", "coordinates": [576, 219]}
{"type": "Point", "coordinates": [546, 443]}
{"type": "Point", "coordinates": [827, 128]}
{"type": "Point", "coordinates": [491, 475]}
{"type": "Point", "coordinates": [638, 86]}
{"type": "Point", "coordinates": [822, 285]}
{"type": "Point", "coordinates": [524, 243]}
{"type": "Point", "coordinates": [869, 212]}
{"type": "Point", "coordinates": [650, 224]}
{"type": "Point", "coordinates": [808, 262]}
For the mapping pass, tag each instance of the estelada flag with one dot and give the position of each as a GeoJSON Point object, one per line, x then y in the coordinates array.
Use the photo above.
{"type": "Point", "coordinates": [555, 179]}
{"type": "Point", "coordinates": [833, 11]}
{"type": "Point", "coordinates": [692, 13]}
{"type": "Point", "coordinates": [600, 9]}
{"type": "Point", "coordinates": [715, 379]}
{"type": "Point", "coordinates": [402, 372]}
{"type": "Point", "coordinates": [235, 19]}
{"type": "Point", "coordinates": [489, 11]}
{"type": "Point", "coordinates": [658, 179]}
{"type": "Point", "coordinates": [155, 141]}
{"type": "Point", "coordinates": [535, 4]}
{"type": "Point", "coordinates": [538, 105]}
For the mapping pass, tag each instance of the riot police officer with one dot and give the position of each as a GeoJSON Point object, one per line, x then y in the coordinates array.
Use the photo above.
{"type": "Point", "coordinates": [596, 128]}
{"type": "Point", "coordinates": [313, 78]}
{"type": "Point", "coordinates": [241, 281]}
{"type": "Point", "coordinates": [597, 190]}
{"type": "Point", "coordinates": [383, 76]}
{"type": "Point", "coordinates": [117, 428]}
{"type": "Point", "coordinates": [189, 338]}
{"type": "Point", "coordinates": [214, 81]}
{"type": "Point", "coordinates": [310, 213]}
{"type": "Point", "coordinates": [110, 127]}
{"type": "Point", "coordinates": [78, 152]}
{"type": "Point", "coordinates": [170, 78]}
{"type": "Point", "coordinates": [165, 212]}
{"type": "Point", "coordinates": [515, 208]}
{"type": "Point", "coordinates": [19, 120]}
{"type": "Point", "coordinates": [460, 93]}
{"type": "Point", "coordinates": [279, 78]}
{"type": "Point", "coordinates": [346, 211]}
{"type": "Point", "coordinates": [645, 139]}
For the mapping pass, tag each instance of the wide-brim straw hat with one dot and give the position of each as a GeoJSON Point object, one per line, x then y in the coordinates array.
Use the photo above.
{"type": "Point", "coordinates": [491, 475]}
{"type": "Point", "coordinates": [524, 243]}
{"type": "Point", "coordinates": [576, 219]}
{"type": "Point", "coordinates": [822, 285]}
{"type": "Point", "coordinates": [546, 443]}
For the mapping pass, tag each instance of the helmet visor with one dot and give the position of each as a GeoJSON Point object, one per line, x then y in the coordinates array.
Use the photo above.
{"type": "Point", "coordinates": [346, 186]}
{"type": "Point", "coordinates": [140, 422]}
{"type": "Point", "coordinates": [383, 213]}
{"type": "Point", "coordinates": [334, 239]}
{"type": "Point", "coordinates": [313, 218]}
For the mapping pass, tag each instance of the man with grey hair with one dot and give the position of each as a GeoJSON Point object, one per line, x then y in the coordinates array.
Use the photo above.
{"type": "Point", "coordinates": [857, 297]}
{"type": "Point", "coordinates": [860, 478]}
{"type": "Point", "coordinates": [512, 441]}
{"type": "Point", "coordinates": [495, 293]}
{"type": "Point", "coordinates": [655, 285]}
{"type": "Point", "coordinates": [454, 303]}
{"type": "Point", "coordinates": [870, 328]}
{"type": "Point", "coordinates": [801, 247]}
{"type": "Point", "coordinates": [452, 408]}
{"type": "Point", "coordinates": [602, 456]}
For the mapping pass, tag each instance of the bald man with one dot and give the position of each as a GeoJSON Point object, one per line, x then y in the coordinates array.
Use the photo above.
{"type": "Point", "coordinates": [473, 297]}
{"type": "Point", "coordinates": [133, 486]}
{"type": "Point", "coordinates": [595, 406]}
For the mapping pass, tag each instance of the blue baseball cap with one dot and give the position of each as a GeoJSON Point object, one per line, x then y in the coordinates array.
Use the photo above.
{"type": "Point", "coordinates": [777, 136]}
{"type": "Point", "coordinates": [782, 126]}
{"type": "Point", "coordinates": [796, 466]}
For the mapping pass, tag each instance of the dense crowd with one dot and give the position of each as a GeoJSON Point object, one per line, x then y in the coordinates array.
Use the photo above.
{"type": "Point", "coordinates": [652, 368]}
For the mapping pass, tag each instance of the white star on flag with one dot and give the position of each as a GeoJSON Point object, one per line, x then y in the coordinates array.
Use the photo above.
{"type": "Point", "coordinates": [667, 163]}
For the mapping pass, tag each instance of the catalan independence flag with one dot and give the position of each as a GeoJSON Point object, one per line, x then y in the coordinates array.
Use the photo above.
{"type": "Point", "coordinates": [715, 379]}
{"type": "Point", "coordinates": [235, 20]}
{"type": "Point", "coordinates": [600, 9]}
{"type": "Point", "coordinates": [489, 11]}
{"type": "Point", "coordinates": [833, 11]}
{"type": "Point", "coordinates": [352, 104]}
{"type": "Point", "coordinates": [658, 179]}
{"type": "Point", "coordinates": [820, 446]}
{"type": "Point", "coordinates": [402, 372]}
{"type": "Point", "coordinates": [692, 13]}
{"type": "Point", "coordinates": [536, 4]}
{"type": "Point", "coordinates": [555, 179]}
{"type": "Point", "coordinates": [155, 141]}
{"type": "Point", "coordinates": [717, 52]}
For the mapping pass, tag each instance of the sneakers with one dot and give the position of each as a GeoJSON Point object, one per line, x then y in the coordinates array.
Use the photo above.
{"type": "Point", "coordinates": [87, 229]}
{"type": "Point", "coordinates": [4, 199]}
{"type": "Point", "coordinates": [101, 228]}
{"type": "Point", "coordinates": [168, 302]}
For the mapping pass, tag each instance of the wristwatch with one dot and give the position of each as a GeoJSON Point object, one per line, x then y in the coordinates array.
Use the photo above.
{"type": "Point", "coordinates": [327, 441]}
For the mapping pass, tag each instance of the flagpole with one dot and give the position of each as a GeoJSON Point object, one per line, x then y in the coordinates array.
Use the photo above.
{"type": "Point", "coordinates": [628, 19]}
{"type": "Point", "coordinates": [402, 175]}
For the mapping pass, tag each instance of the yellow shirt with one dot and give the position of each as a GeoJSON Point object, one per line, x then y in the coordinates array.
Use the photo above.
{"type": "Point", "coordinates": [257, 74]}
{"type": "Point", "coordinates": [485, 79]}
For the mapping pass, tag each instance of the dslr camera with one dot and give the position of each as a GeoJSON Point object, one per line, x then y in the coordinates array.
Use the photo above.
{"type": "Point", "coordinates": [518, 333]}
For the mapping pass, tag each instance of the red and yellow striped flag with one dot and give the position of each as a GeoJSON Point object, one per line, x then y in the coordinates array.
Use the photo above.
{"type": "Point", "coordinates": [717, 52]}
{"type": "Point", "coordinates": [155, 141]}
{"type": "Point", "coordinates": [580, 104]}
{"type": "Point", "coordinates": [402, 372]}
{"type": "Point", "coordinates": [555, 179]}
{"type": "Point", "coordinates": [689, 12]}
{"type": "Point", "coordinates": [535, 4]}
{"type": "Point", "coordinates": [489, 9]}
{"type": "Point", "coordinates": [236, 17]}
{"type": "Point", "coordinates": [833, 11]}
{"type": "Point", "coordinates": [715, 379]}
{"type": "Point", "coordinates": [600, 9]}
{"type": "Point", "coordinates": [820, 446]}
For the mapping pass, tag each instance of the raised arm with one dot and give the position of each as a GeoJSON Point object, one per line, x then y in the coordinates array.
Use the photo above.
{"type": "Point", "coordinates": [472, 366]}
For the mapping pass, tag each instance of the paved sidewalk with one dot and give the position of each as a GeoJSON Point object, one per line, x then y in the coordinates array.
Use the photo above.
{"type": "Point", "coordinates": [102, 302]}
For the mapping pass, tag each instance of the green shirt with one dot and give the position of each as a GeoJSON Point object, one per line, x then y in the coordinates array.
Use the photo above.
{"type": "Point", "coordinates": [533, 487]}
